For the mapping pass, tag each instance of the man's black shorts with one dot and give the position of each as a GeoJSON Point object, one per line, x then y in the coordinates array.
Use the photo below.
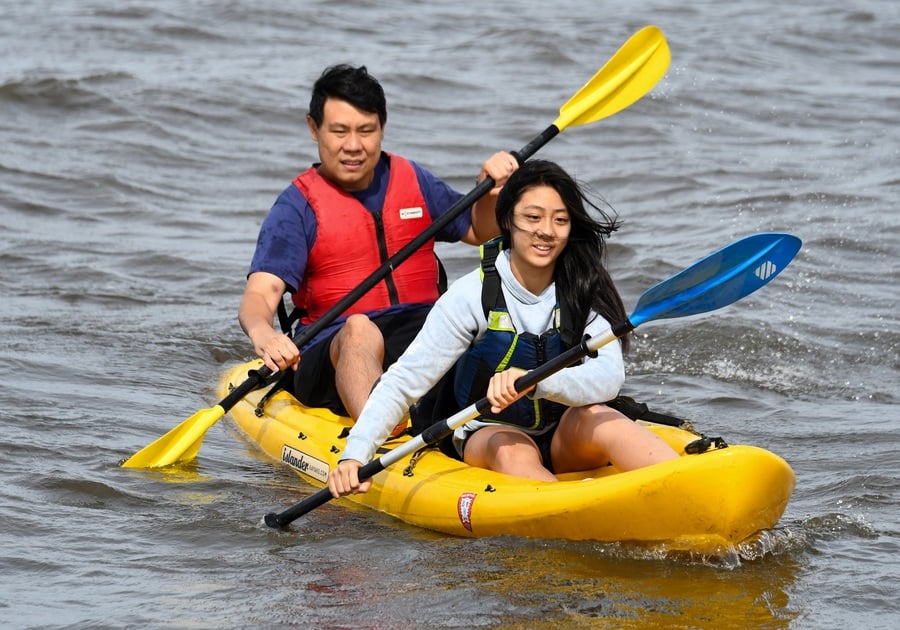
{"type": "Point", "coordinates": [314, 381]}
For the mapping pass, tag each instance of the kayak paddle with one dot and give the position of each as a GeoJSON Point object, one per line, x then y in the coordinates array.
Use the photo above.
{"type": "Point", "coordinates": [631, 72]}
{"type": "Point", "coordinates": [720, 279]}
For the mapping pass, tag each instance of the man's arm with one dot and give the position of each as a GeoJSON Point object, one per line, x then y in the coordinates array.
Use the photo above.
{"type": "Point", "coordinates": [257, 312]}
{"type": "Point", "coordinates": [484, 220]}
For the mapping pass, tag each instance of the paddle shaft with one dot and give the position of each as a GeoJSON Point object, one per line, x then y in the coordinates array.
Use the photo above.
{"type": "Point", "coordinates": [483, 188]}
{"type": "Point", "coordinates": [258, 377]}
{"type": "Point", "coordinates": [439, 430]}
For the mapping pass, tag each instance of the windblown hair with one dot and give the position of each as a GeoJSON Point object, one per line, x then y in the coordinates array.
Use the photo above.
{"type": "Point", "coordinates": [582, 281]}
{"type": "Point", "coordinates": [353, 85]}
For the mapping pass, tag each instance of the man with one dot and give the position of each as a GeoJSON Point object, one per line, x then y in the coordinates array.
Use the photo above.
{"type": "Point", "coordinates": [333, 226]}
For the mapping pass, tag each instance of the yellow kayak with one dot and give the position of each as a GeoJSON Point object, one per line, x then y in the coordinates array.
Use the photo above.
{"type": "Point", "coordinates": [706, 502]}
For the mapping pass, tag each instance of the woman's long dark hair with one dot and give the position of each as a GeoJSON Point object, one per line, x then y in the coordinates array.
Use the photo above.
{"type": "Point", "coordinates": [582, 282]}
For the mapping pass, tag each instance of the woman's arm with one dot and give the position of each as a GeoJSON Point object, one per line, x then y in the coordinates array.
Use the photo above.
{"type": "Point", "coordinates": [595, 380]}
{"type": "Point", "coordinates": [454, 321]}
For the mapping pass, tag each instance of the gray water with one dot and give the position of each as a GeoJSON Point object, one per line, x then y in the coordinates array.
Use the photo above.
{"type": "Point", "coordinates": [142, 144]}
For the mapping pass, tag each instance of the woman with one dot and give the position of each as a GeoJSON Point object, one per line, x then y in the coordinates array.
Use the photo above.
{"type": "Point", "coordinates": [553, 287]}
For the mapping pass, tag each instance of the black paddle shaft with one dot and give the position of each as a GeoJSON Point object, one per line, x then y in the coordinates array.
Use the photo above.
{"type": "Point", "coordinates": [411, 247]}
{"type": "Point", "coordinates": [257, 378]}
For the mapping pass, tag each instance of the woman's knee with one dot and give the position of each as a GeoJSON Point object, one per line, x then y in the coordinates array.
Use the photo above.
{"type": "Point", "coordinates": [589, 418]}
{"type": "Point", "coordinates": [499, 447]}
{"type": "Point", "coordinates": [507, 447]}
{"type": "Point", "coordinates": [586, 432]}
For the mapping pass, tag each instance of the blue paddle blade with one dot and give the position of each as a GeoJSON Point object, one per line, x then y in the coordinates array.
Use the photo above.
{"type": "Point", "coordinates": [720, 279]}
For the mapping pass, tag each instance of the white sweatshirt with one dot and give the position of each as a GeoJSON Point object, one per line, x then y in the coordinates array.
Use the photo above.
{"type": "Point", "coordinates": [457, 320]}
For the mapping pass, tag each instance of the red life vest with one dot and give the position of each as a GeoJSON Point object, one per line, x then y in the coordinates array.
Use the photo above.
{"type": "Point", "coordinates": [351, 243]}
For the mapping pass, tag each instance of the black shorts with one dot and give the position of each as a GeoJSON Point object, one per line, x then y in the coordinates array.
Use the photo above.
{"type": "Point", "coordinates": [314, 380]}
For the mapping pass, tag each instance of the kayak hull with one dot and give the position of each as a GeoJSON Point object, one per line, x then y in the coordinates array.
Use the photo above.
{"type": "Point", "coordinates": [707, 502]}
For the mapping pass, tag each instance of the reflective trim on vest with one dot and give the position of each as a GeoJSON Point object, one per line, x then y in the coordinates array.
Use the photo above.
{"type": "Point", "coordinates": [500, 320]}
{"type": "Point", "coordinates": [350, 245]}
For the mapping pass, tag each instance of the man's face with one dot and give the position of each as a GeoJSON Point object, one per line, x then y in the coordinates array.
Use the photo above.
{"type": "Point", "coordinates": [349, 144]}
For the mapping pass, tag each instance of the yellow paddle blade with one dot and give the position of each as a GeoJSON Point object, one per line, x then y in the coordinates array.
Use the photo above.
{"type": "Point", "coordinates": [181, 443]}
{"type": "Point", "coordinates": [627, 76]}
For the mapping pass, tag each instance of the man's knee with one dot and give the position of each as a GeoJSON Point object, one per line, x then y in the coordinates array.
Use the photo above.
{"type": "Point", "coordinates": [358, 334]}
{"type": "Point", "coordinates": [358, 324]}
{"type": "Point", "coordinates": [357, 329]}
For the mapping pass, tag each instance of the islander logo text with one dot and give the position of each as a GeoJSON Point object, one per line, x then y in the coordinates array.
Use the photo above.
{"type": "Point", "coordinates": [298, 460]}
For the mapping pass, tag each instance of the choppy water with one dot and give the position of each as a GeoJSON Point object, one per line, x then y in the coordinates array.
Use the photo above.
{"type": "Point", "coordinates": [142, 143]}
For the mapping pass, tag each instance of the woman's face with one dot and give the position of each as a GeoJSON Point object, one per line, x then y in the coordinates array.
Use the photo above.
{"type": "Point", "coordinates": [539, 232]}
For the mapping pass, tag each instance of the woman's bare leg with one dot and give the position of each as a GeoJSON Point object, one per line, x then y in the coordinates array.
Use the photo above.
{"type": "Point", "coordinates": [594, 435]}
{"type": "Point", "coordinates": [507, 450]}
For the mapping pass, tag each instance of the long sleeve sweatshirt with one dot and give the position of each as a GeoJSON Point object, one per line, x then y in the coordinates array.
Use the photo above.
{"type": "Point", "coordinates": [455, 322]}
